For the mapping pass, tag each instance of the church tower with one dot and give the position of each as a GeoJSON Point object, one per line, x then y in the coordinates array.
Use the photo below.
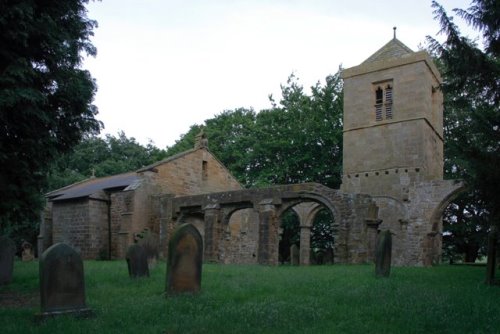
{"type": "Point", "coordinates": [393, 123]}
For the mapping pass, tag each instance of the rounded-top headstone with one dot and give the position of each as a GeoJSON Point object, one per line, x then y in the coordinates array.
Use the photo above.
{"type": "Point", "coordinates": [185, 252]}
{"type": "Point", "coordinates": [7, 253]}
{"type": "Point", "coordinates": [62, 286]}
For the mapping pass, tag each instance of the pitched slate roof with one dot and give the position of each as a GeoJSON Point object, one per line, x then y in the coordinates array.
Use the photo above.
{"type": "Point", "coordinates": [394, 49]}
{"type": "Point", "coordinates": [90, 186]}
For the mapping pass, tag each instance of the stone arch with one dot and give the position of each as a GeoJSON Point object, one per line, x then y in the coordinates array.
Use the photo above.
{"type": "Point", "coordinates": [437, 214]}
{"type": "Point", "coordinates": [433, 243]}
{"type": "Point", "coordinates": [196, 219]}
{"type": "Point", "coordinates": [332, 206]}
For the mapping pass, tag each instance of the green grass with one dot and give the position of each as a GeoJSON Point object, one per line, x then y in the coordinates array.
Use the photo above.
{"type": "Point", "coordinates": [259, 299]}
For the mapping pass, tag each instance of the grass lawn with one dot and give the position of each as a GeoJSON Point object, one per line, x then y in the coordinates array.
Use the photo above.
{"type": "Point", "coordinates": [260, 299]}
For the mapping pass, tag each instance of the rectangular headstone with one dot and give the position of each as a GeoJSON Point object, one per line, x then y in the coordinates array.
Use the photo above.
{"type": "Point", "coordinates": [294, 255]}
{"type": "Point", "coordinates": [62, 286]}
{"type": "Point", "coordinates": [137, 261]}
{"type": "Point", "coordinates": [383, 254]}
{"type": "Point", "coordinates": [185, 254]}
{"type": "Point", "coordinates": [7, 253]}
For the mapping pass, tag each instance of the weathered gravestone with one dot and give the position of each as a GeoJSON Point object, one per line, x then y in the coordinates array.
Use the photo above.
{"type": "Point", "coordinates": [294, 255]}
{"type": "Point", "coordinates": [492, 252]}
{"type": "Point", "coordinates": [383, 254]}
{"type": "Point", "coordinates": [7, 253]}
{"type": "Point", "coordinates": [62, 286]}
{"type": "Point", "coordinates": [137, 261]}
{"type": "Point", "coordinates": [328, 258]}
{"type": "Point", "coordinates": [185, 252]}
{"type": "Point", "coordinates": [27, 254]}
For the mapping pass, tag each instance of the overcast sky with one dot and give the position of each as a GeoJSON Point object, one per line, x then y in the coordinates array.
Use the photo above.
{"type": "Point", "coordinates": [163, 65]}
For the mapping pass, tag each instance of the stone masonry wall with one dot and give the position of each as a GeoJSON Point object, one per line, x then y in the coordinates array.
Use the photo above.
{"type": "Point", "coordinates": [197, 172]}
{"type": "Point", "coordinates": [71, 223]}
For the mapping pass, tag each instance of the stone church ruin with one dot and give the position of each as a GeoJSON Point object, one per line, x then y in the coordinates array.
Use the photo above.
{"type": "Point", "coordinates": [392, 180]}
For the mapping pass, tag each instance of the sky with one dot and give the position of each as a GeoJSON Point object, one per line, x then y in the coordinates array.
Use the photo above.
{"type": "Point", "coordinates": [164, 65]}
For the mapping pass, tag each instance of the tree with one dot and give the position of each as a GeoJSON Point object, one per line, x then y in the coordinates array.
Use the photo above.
{"type": "Point", "coordinates": [300, 140]}
{"type": "Point", "coordinates": [297, 140]}
{"type": "Point", "coordinates": [45, 98]}
{"type": "Point", "coordinates": [102, 157]}
{"type": "Point", "coordinates": [472, 97]}
{"type": "Point", "coordinates": [472, 119]}
{"type": "Point", "coordinates": [465, 228]}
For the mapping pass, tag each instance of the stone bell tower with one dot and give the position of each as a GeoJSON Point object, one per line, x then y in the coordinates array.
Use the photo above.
{"type": "Point", "coordinates": [393, 149]}
{"type": "Point", "coordinates": [393, 123]}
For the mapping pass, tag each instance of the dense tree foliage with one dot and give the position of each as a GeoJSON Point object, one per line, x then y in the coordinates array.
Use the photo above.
{"type": "Point", "coordinates": [95, 156]}
{"type": "Point", "coordinates": [45, 98]}
{"type": "Point", "coordinates": [472, 91]}
{"type": "Point", "coordinates": [472, 118]}
{"type": "Point", "coordinates": [298, 140]}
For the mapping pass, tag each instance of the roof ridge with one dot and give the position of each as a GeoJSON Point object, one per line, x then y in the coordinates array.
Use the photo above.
{"type": "Point", "coordinates": [392, 49]}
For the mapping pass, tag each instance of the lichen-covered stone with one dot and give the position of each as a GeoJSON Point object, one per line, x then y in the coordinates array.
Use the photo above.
{"type": "Point", "coordinates": [185, 255]}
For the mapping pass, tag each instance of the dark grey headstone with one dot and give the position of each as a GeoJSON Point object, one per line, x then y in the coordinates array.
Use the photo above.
{"type": "Point", "coordinates": [491, 262]}
{"type": "Point", "coordinates": [62, 286]}
{"type": "Point", "coordinates": [137, 261]}
{"type": "Point", "coordinates": [328, 258]}
{"type": "Point", "coordinates": [383, 254]}
{"type": "Point", "coordinates": [185, 251]}
{"type": "Point", "coordinates": [294, 255]}
{"type": "Point", "coordinates": [7, 253]}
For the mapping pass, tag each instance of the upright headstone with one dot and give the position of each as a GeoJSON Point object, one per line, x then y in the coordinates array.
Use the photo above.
{"type": "Point", "coordinates": [27, 254]}
{"type": "Point", "coordinates": [491, 262]}
{"type": "Point", "coordinates": [185, 254]}
{"type": "Point", "coordinates": [328, 259]}
{"type": "Point", "coordinates": [137, 261]}
{"type": "Point", "coordinates": [62, 286]}
{"type": "Point", "coordinates": [7, 253]}
{"type": "Point", "coordinates": [294, 255]}
{"type": "Point", "coordinates": [383, 254]}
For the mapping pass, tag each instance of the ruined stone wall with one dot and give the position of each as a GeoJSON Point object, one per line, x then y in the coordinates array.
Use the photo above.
{"type": "Point", "coordinates": [240, 238]}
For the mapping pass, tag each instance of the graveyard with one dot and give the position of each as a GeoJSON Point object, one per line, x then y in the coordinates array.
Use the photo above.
{"type": "Point", "coordinates": [265, 299]}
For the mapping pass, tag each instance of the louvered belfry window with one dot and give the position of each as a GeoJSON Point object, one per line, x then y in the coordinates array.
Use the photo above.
{"type": "Point", "coordinates": [383, 102]}
{"type": "Point", "coordinates": [379, 99]}
{"type": "Point", "coordinates": [388, 102]}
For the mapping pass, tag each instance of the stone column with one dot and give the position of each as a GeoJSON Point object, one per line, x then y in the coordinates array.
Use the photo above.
{"type": "Point", "coordinates": [305, 245]}
{"type": "Point", "coordinates": [268, 233]}
{"type": "Point", "coordinates": [212, 232]}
